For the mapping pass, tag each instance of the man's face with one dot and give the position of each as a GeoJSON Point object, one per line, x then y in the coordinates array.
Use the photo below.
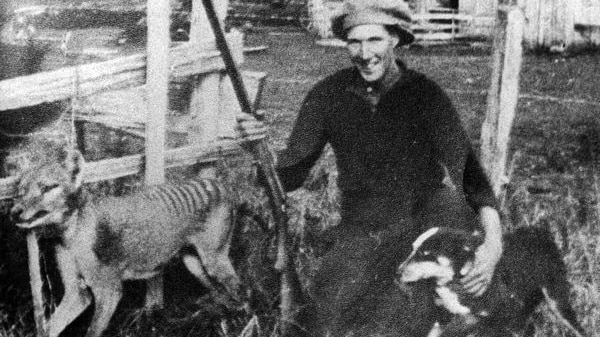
{"type": "Point", "coordinates": [371, 49]}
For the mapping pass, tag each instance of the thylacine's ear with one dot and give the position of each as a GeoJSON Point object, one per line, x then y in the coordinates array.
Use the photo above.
{"type": "Point", "coordinates": [74, 164]}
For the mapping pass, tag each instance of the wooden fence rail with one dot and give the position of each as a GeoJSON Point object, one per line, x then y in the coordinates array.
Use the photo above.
{"type": "Point", "coordinates": [186, 60]}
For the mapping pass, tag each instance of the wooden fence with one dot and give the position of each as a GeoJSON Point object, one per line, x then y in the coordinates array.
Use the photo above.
{"type": "Point", "coordinates": [107, 84]}
{"type": "Point", "coordinates": [143, 81]}
{"type": "Point", "coordinates": [439, 24]}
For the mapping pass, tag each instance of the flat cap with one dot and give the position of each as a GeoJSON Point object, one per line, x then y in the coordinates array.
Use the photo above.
{"type": "Point", "coordinates": [391, 13]}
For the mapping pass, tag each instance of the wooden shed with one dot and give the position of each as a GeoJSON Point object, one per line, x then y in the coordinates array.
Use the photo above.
{"type": "Point", "coordinates": [562, 23]}
{"type": "Point", "coordinates": [548, 23]}
{"type": "Point", "coordinates": [557, 24]}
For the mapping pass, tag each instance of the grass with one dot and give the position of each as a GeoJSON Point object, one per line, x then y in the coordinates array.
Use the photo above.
{"type": "Point", "coordinates": [555, 184]}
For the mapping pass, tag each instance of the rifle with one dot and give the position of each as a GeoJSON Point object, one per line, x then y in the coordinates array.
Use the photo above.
{"type": "Point", "coordinates": [290, 286]}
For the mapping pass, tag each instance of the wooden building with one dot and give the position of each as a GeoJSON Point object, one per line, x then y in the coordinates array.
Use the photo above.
{"type": "Point", "coordinates": [548, 23]}
{"type": "Point", "coordinates": [562, 23]}
{"type": "Point", "coordinates": [556, 24]}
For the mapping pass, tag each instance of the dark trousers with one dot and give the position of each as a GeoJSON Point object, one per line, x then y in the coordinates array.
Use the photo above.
{"type": "Point", "coordinates": [355, 281]}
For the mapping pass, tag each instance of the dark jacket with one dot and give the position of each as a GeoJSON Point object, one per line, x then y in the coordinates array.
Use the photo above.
{"type": "Point", "coordinates": [398, 147]}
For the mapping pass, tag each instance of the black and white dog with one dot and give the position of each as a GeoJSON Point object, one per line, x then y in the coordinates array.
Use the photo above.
{"type": "Point", "coordinates": [530, 270]}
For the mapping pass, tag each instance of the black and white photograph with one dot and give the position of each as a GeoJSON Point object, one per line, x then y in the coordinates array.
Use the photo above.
{"type": "Point", "coordinates": [299, 168]}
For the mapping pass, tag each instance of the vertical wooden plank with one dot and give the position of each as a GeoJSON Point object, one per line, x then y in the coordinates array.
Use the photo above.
{"type": "Point", "coordinates": [157, 85]}
{"type": "Point", "coordinates": [502, 96]}
{"type": "Point", "coordinates": [204, 102]}
{"type": "Point", "coordinates": [157, 78]}
{"type": "Point", "coordinates": [577, 11]}
{"type": "Point", "coordinates": [228, 109]}
{"type": "Point", "coordinates": [568, 21]}
{"type": "Point", "coordinates": [544, 22]}
{"type": "Point", "coordinates": [540, 23]}
{"type": "Point", "coordinates": [35, 279]}
{"type": "Point", "coordinates": [534, 22]}
{"type": "Point", "coordinates": [557, 23]}
{"type": "Point", "coordinates": [229, 106]}
{"type": "Point", "coordinates": [526, 6]}
{"type": "Point", "coordinates": [204, 108]}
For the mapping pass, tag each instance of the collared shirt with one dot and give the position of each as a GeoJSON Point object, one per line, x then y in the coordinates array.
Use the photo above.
{"type": "Point", "coordinates": [372, 91]}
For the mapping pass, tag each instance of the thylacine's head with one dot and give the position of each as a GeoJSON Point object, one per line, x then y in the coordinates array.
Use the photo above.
{"type": "Point", "coordinates": [440, 253]}
{"type": "Point", "coordinates": [47, 194]}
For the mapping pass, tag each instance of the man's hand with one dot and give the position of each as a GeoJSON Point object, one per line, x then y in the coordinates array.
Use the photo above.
{"type": "Point", "coordinates": [250, 128]}
{"type": "Point", "coordinates": [478, 278]}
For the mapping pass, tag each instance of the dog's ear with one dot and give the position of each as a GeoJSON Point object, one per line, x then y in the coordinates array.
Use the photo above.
{"type": "Point", "coordinates": [475, 240]}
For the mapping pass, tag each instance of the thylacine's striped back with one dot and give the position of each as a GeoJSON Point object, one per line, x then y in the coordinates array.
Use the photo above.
{"type": "Point", "coordinates": [188, 197]}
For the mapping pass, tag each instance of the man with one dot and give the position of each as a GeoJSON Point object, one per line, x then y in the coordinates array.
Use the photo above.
{"type": "Point", "coordinates": [403, 157]}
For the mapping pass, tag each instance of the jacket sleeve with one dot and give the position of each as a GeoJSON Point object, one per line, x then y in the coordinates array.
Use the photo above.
{"type": "Point", "coordinates": [305, 144]}
{"type": "Point", "coordinates": [452, 148]}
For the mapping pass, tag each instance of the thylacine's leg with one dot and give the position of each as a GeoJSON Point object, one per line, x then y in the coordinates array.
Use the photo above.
{"type": "Point", "coordinates": [107, 288]}
{"type": "Point", "coordinates": [76, 297]}
{"type": "Point", "coordinates": [212, 246]}
{"type": "Point", "coordinates": [154, 292]}
{"type": "Point", "coordinates": [194, 265]}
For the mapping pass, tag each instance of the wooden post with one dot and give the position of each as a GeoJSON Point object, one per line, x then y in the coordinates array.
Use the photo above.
{"type": "Point", "coordinates": [157, 79]}
{"type": "Point", "coordinates": [204, 101]}
{"type": "Point", "coordinates": [229, 107]}
{"type": "Point", "coordinates": [36, 283]}
{"type": "Point", "coordinates": [157, 85]}
{"type": "Point", "coordinates": [503, 95]}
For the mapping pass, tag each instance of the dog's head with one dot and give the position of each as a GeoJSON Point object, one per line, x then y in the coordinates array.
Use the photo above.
{"type": "Point", "coordinates": [440, 253]}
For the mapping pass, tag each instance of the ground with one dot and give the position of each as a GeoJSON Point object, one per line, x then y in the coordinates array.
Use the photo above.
{"type": "Point", "coordinates": [554, 183]}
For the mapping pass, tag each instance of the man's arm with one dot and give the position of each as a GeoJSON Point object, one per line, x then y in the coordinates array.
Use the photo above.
{"type": "Point", "coordinates": [487, 255]}
{"type": "Point", "coordinates": [452, 147]}
{"type": "Point", "coordinates": [305, 144]}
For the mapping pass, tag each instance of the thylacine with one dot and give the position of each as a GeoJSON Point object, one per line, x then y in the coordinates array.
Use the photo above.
{"type": "Point", "coordinates": [117, 238]}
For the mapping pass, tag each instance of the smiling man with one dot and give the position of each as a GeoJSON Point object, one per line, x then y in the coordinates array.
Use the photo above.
{"type": "Point", "coordinates": [403, 157]}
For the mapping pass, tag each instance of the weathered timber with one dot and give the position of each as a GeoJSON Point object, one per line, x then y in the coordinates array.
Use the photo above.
{"type": "Point", "coordinates": [207, 90]}
{"type": "Point", "coordinates": [186, 60]}
{"type": "Point", "coordinates": [502, 96]}
{"type": "Point", "coordinates": [441, 16]}
{"type": "Point", "coordinates": [35, 280]}
{"type": "Point", "coordinates": [157, 85]}
{"type": "Point", "coordinates": [127, 108]}
{"type": "Point", "coordinates": [129, 165]}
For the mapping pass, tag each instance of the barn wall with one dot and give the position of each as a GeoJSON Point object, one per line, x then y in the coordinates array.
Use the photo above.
{"type": "Point", "coordinates": [553, 23]}
{"type": "Point", "coordinates": [587, 22]}
{"type": "Point", "coordinates": [483, 12]}
{"type": "Point", "coordinates": [548, 23]}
